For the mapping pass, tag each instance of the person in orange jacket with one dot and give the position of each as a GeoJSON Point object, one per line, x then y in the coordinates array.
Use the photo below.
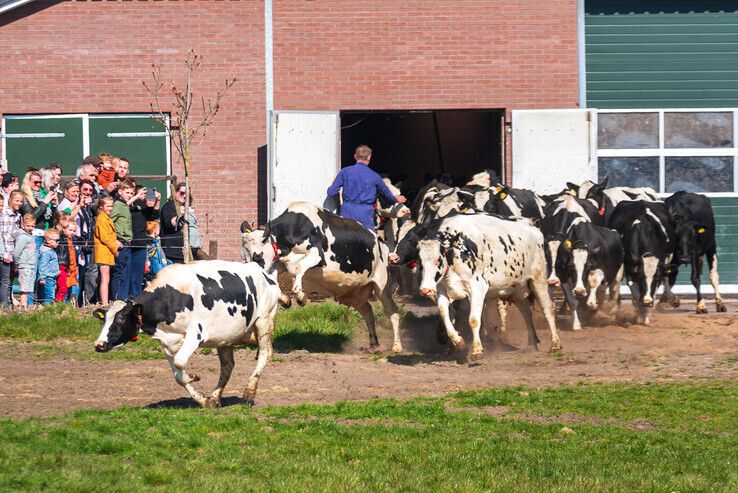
{"type": "Point", "coordinates": [106, 245]}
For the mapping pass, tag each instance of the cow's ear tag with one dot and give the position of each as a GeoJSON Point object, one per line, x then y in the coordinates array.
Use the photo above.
{"type": "Point", "coordinates": [601, 212]}
{"type": "Point", "coordinates": [99, 314]}
{"type": "Point", "coordinates": [503, 196]}
{"type": "Point", "coordinates": [701, 230]}
{"type": "Point", "coordinates": [568, 244]}
{"type": "Point", "coordinates": [247, 230]}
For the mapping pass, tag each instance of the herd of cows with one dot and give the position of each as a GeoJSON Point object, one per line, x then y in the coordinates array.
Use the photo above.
{"type": "Point", "coordinates": [473, 244]}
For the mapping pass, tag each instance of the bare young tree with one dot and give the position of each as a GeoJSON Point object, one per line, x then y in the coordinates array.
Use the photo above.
{"type": "Point", "coordinates": [186, 130]}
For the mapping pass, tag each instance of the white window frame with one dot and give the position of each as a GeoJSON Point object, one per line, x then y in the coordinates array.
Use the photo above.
{"type": "Point", "coordinates": [662, 153]}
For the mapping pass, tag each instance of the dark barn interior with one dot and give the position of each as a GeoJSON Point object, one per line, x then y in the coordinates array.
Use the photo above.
{"type": "Point", "coordinates": [417, 146]}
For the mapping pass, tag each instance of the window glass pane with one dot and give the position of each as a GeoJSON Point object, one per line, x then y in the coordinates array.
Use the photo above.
{"type": "Point", "coordinates": [630, 171]}
{"type": "Point", "coordinates": [628, 130]}
{"type": "Point", "coordinates": [699, 174]}
{"type": "Point", "coordinates": [705, 129]}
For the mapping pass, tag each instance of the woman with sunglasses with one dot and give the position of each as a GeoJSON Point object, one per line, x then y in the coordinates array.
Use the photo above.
{"type": "Point", "coordinates": [34, 201]}
{"type": "Point", "coordinates": [172, 224]}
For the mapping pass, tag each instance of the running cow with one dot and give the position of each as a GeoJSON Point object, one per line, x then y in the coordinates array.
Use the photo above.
{"type": "Point", "coordinates": [695, 229]}
{"type": "Point", "coordinates": [329, 255]}
{"type": "Point", "coordinates": [213, 304]}
{"type": "Point", "coordinates": [482, 257]}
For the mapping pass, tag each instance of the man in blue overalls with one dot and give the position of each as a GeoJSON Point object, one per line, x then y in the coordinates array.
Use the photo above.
{"type": "Point", "coordinates": [360, 187]}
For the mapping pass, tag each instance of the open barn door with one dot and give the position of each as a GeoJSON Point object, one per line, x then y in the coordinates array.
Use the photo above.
{"type": "Point", "coordinates": [303, 157]}
{"type": "Point", "coordinates": [552, 147]}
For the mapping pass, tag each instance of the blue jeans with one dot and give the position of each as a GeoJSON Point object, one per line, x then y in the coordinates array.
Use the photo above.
{"type": "Point", "coordinates": [120, 275]}
{"type": "Point", "coordinates": [6, 283]}
{"type": "Point", "coordinates": [138, 265]}
{"type": "Point", "coordinates": [47, 290]}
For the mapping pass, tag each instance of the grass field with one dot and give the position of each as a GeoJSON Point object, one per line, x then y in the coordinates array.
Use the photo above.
{"type": "Point", "coordinates": [61, 329]}
{"type": "Point", "coordinates": [666, 437]}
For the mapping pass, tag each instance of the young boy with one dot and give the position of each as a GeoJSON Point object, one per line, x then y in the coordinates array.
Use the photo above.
{"type": "Point", "coordinates": [9, 221]}
{"type": "Point", "coordinates": [48, 266]}
{"type": "Point", "coordinates": [156, 258]}
{"type": "Point", "coordinates": [24, 257]}
{"type": "Point", "coordinates": [120, 275]}
{"type": "Point", "coordinates": [72, 281]}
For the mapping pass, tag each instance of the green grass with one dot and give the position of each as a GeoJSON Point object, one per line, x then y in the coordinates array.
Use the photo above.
{"type": "Point", "coordinates": [430, 444]}
{"type": "Point", "coordinates": [60, 329]}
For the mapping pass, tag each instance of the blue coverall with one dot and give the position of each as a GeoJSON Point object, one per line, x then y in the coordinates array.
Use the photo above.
{"type": "Point", "coordinates": [360, 187]}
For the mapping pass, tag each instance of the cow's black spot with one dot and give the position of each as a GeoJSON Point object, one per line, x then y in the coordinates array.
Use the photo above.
{"type": "Point", "coordinates": [162, 305]}
{"type": "Point", "coordinates": [232, 310]}
{"type": "Point", "coordinates": [437, 277]}
{"type": "Point", "coordinates": [249, 309]}
{"type": "Point", "coordinates": [230, 289]}
{"type": "Point", "coordinates": [269, 280]}
{"type": "Point", "coordinates": [353, 246]}
{"type": "Point", "coordinates": [503, 243]}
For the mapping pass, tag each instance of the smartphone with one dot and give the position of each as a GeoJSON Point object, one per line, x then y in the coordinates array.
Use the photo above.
{"type": "Point", "coordinates": [151, 194]}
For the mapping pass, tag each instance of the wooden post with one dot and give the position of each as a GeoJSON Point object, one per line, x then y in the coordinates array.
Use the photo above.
{"type": "Point", "coordinates": [213, 249]}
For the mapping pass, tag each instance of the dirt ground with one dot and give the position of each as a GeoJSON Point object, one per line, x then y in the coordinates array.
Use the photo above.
{"type": "Point", "coordinates": [678, 345]}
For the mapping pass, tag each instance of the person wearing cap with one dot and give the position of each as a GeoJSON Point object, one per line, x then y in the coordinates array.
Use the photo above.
{"type": "Point", "coordinates": [88, 171]}
{"type": "Point", "coordinates": [360, 185]}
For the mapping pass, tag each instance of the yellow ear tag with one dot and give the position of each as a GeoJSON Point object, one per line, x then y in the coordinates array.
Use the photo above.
{"type": "Point", "coordinates": [247, 231]}
{"type": "Point", "coordinates": [701, 230]}
{"type": "Point", "coordinates": [503, 195]}
{"type": "Point", "coordinates": [568, 243]}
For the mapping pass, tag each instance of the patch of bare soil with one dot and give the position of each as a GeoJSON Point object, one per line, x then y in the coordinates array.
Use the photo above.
{"type": "Point", "coordinates": [678, 345]}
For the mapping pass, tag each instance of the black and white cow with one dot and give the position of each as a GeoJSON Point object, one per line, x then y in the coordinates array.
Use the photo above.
{"type": "Point", "coordinates": [485, 179]}
{"type": "Point", "coordinates": [213, 304]}
{"type": "Point", "coordinates": [330, 255]}
{"type": "Point", "coordinates": [479, 257]}
{"type": "Point", "coordinates": [560, 215]}
{"type": "Point", "coordinates": [649, 241]}
{"type": "Point", "coordinates": [695, 230]}
{"type": "Point", "coordinates": [606, 199]}
{"type": "Point", "coordinates": [515, 202]}
{"type": "Point", "coordinates": [590, 260]}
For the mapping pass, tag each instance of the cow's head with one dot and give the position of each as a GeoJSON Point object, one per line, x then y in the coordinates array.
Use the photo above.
{"type": "Point", "coordinates": [688, 234]}
{"type": "Point", "coordinates": [434, 264]}
{"type": "Point", "coordinates": [406, 247]}
{"type": "Point", "coordinates": [597, 193]}
{"type": "Point", "coordinates": [123, 321]}
{"type": "Point", "coordinates": [642, 260]}
{"type": "Point", "coordinates": [576, 259]}
{"type": "Point", "coordinates": [256, 246]}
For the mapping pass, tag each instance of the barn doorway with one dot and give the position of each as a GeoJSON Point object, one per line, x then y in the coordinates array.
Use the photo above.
{"type": "Point", "coordinates": [416, 146]}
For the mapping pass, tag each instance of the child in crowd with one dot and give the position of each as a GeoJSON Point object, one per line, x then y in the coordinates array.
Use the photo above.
{"type": "Point", "coordinates": [48, 266]}
{"type": "Point", "coordinates": [105, 244]}
{"type": "Point", "coordinates": [156, 259]}
{"type": "Point", "coordinates": [9, 220]}
{"type": "Point", "coordinates": [24, 257]}
{"type": "Point", "coordinates": [106, 172]}
{"type": "Point", "coordinates": [72, 282]}
{"type": "Point", "coordinates": [59, 222]}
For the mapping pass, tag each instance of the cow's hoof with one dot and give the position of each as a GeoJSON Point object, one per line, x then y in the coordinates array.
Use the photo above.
{"type": "Point", "coordinates": [701, 310]}
{"type": "Point", "coordinates": [301, 299]}
{"type": "Point", "coordinates": [397, 348]}
{"type": "Point", "coordinates": [555, 347]}
{"type": "Point", "coordinates": [374, 349]}
{"type": "Point", "coordinates": [194, 378]}
{"type": "Point", "coordinates": [212, 402]}
{"type": "Point", "coordinates": [675, 302]}
{"type": "Point", "coordinates": [249, 402]}
{"type": "Point", "coordinates": [285, 301]}
{"type": "Point", "coordinates": [476, 357]}
{"type": "Point", "coordinates": [721, 307]}
{"type": "Point", "coordinates": [459, 344]}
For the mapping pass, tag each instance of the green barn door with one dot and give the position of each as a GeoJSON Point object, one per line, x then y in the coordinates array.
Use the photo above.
{"type": "Point", "coordinates": [140, 139]}
{"type": "Point", "coordinates": [38, 141]}
{"type": "Point", "coordinates": [661, 54]}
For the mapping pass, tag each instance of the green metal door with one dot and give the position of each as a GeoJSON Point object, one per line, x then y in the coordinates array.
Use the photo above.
{"type": "Point", "coordinates": [661, 54]}
{"type": "Point", "coordinates": [140, 139]}
{"type": "Point", "coordinates": [36, 142]}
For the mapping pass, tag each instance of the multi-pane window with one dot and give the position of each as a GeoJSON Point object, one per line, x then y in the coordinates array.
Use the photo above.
{"type": "Point", "coordinates": [669, 150]}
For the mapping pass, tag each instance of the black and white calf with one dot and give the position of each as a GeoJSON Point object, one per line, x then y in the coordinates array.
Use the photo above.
{"type": "Point", "coordinates": [329, 255]}
{"type": "Point", "coordinates": [515, 202]}
{"type": "Point", "coordinates": [649, 241]}
{"type": "Point", "coordinates": [590, 260]}
{"type": "Point", "coordinates": [695, 230]}
{"type": "Point", "coordinates": [213, 304]}
{"type": "Point", "coordinates": [479, 257]}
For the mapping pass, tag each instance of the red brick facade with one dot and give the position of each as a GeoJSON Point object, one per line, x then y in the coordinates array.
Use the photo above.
{"type": "Point", "coordinates": [90, 57]}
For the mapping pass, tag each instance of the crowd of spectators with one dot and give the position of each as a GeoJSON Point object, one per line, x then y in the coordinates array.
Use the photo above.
{"type": "Point", "coordinates": [88, 239]}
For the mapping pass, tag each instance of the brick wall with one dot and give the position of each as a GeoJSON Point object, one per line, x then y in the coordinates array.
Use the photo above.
{"type": "Point", "coordinates": [328, 55]}
{"type": "Point", "coordinates": [50, 64]}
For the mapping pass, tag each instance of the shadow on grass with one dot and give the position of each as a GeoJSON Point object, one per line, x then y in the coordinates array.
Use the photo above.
{"type": "Point", "coordinates": [188, 403]}
{"type": "Point", "coordinates": [313, 342]}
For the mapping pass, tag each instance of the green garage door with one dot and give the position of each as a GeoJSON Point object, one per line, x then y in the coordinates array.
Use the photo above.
{"type": "Point", "coordinates": [67, 139]}
{"type": "Point", "coordinates": [36, 142]}
{"type": "Point", "coordinates": [139, 139]}
{"type": "Point", "coordinates": [660, 56]}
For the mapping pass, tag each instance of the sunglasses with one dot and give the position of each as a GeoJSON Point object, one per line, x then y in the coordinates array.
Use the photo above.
{"type": "Point", "coordinates": [181, 193]}
{"type": "Point", "coordinates": [36, 182]}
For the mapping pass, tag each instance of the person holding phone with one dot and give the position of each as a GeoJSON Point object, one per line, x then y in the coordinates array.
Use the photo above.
{"type": "Point", "coordinates": [144, 207]}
